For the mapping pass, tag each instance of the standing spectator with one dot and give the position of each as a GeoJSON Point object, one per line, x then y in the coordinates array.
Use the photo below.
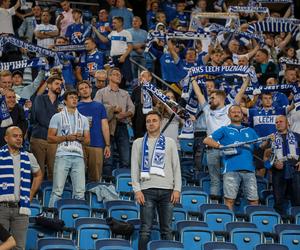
{"type": "Point", "coordinates": [151, 14]}
{"type": "Point", "coordinates": [104, 27]}
{"type": "Point", "coordinates": [77, 31]}
{"type": "Point", "coordinates": [121, 11]}
{"type": "Point", "coordinates": [101, 81]}
{"type": "Point", "coordinates": [17, 189]}
{"type": "Point", "coordinates": [263, 67]}
{"type": "Point", "coordinates": [99, 129]}
{"type": "Point", "coordinates": [286, 167]}
{"type": "Point", "coordinates": [138, 120]}
{"type": "Point", "coordinates": [181, 15]}
{"type": "Point", "coordinates": [279, 98]}
{"type": "Point", "coordinates": [6, 81]}
{"type": "Point", "coordinates": [118, 100]}
{"type": "Point", "coordinates": [121, 46]}
{"type": "Point", "coordinates": [44, 107]}
{"type": "Point", "coordinates": [16, 113]}
{"type": "Point", "coordinates": [156, 178]}
{"type": "Point", "coordinates": [45, 32]}
{"type": "Point", "coordinates": [6, 14]}
{"type": "Point", "coordinates": [139, 38]}
{"type": "Point", "coordinates": [65, 18]}
{"type": "Point", "coordinates": [8, 242]}
{"type": "Point", "coordinates": [216, 116]}
{"type": "Point", "coordinates": [290, 76]}
{"type": "Point", "coordinates": [239, 167]}
{"type": "Point", "coordinates": [28, 25]}
{"type": "Point", "coordinates": [234, 49]}
{"type": "Point", "coordinates": [69, 129]}
{"type": "Point", "coordinates": [90, 61]}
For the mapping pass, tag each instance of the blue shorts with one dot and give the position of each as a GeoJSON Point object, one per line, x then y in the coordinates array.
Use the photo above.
{"type": "Point", "coordinates": [232, 182]}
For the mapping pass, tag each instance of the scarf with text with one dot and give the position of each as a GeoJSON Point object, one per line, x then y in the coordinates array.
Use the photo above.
{"type": "Point", "coordinates": [4, 114]}
{"type": "Point", "coordinates": [248, 9]}
{"type": "Point", "coordinates": [31, 63]}
{"type": "Point", "coordinates": [284, 151]}
{"type": "Point", "coordinates": [157, 163]}
{"type": "Point", "coordinates": [288, 61]}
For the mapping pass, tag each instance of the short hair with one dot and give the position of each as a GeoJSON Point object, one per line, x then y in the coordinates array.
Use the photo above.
{"type": "Point", "coordinates": [77, 10]}
{"type": "Point", "coordinates": [91, 39]}
{"type": "Point", "coordinates": [11, 90]}
{"type": "Point", "coordinates": [5, 73]}
{"type": "Point", "coordinates": [215, 51]}
{"type": "Point", "coordinates": [61, 37]}
{"type": "Point", "coordinates": [264, 51]}
{"type": "Point", "coordinates": [219, 92]}
{"type": "Point", "coordinates": [154, 112]}
{"type": "Point", "coordinates": [233, 106]}
{"type": "Point", "coordinates": [101, 71]}
{"type": "Point", "coordinates": [17, 72]}
{"type": "Point", "coordinates": [137, 17]}
{"type": "Point", "coordinates": [51, 79]}
{"type": "Point", "coordinates": [112, 70]}
{"type": "Point", "coordinates": [45, 10]}
{"type": "Point", "coordinates": [266, 93]}
{"type": "Point", "coordinates": [83, 82]}
{"type": "Point", "coordinates": [119, 18]}
{"type": "Point", "coordinates": [70, 92]}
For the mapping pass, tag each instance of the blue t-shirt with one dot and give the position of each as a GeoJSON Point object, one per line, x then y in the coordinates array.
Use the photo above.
{"type": "Point", "coordinates": [138, 36]}
{"type": "Point", "coordinates": [68, 73]}
{"type": "Point", "coordinates": [90, 63]}
{"type": "Point", "coordinates": [75, 33]}
{"type": "Point", "coordinates": [233, 134]}
{"type": "Point", "coordinates": [184, 66]}
{"type": "Point", "coordinates": [56, 123]}
{"type": "Point", "coordinates": [95, 112]}
{"type": "Point", "coordinates": [169, 69]}
{"type": "Point", "coordinates": [100, 26]}
{"type": "Point", "coordinates": [263, 120]}
{"type": "Point", "coordinates": [183, 19]}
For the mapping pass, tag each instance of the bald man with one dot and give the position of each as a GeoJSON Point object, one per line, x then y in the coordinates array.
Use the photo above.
{"type": "Point", "coordinates": [16, 187]}
{"type": "Point", "coordinates": [286, 167]}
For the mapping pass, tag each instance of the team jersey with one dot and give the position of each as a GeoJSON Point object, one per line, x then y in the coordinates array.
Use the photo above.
{"type": "Point", "coordinates": [77, 32]}
{"type": "Point", "coordinates": [102, 28]}
{"type": "Point", "coordinates": [184, 66]}
{"type": "Point", "coordinates": [263, 120]}
{"type": "Point", "coordinates": [183, 19]}
{"type": "Point", "coordinates": [243, 160]}
{"type": "Point", "coordinates": [90, 63]}
{"type": "Point", "coordinates": [169, 69]}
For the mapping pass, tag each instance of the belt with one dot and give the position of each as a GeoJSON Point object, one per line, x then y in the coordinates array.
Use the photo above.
{"type": "Point", "coordinates": [10, 204]}
{"type": "Point", "coordinates": [244, 171]}
{"type": "Point", "coordinates": [199, 134]}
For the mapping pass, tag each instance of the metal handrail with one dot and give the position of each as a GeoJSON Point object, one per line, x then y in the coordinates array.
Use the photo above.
{"type": "Point", "coordinates": [153, 75]}
{"type": "Point", "coordinates": [72, 2]}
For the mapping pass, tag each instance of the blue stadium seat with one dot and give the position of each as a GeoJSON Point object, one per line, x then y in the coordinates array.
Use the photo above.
{"type": "Point", "coordinates": [110, 244]}
{"type": "Point", "coordinates": [123, 180]}
{"type": "Point", "coordinates": [179, 214]}
{"type": "Point", "coordinates": [219, 246]}
{"type": "Point", "coordinates": [164, 245]}
{"type": "Point", "coordinates": [271, 247]}
{"type": "Point", "coordinates": [192, 199]}
{"type": "Point", "coordinates": [155, 233]}
{"type": "Point", "coordinates": [90, 230]}
{"type": "Point", "coordinates": [34, 233]}
{"type": "Point", "coordinates": [205, 184]}
{"type": "Point", "coordinates": [289, 235]}
{"type": "Point", "coordinates": [216, 216]}
{"type": "Point", "coordinates": [35, 207]}
{"type": "Point", "coordinates": [56, 243]}
{"type": "Point", "coordinates": [193, 234]}
{"type": "Point", "coordinates": [265, 218]}
{"type": "Point", "coordinates": [186, 146]}
{"type": "Point", "coordinates": [294, 212]}
{"type": "Point", "coordinates": [122, 210]}
{"type": "Point", "coordinates": [71, 209]}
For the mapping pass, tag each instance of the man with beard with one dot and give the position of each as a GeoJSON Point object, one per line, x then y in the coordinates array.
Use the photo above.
{"type": "Point", "coordinates": [215, 112]}
{"type": "Point", "coordinates": [99, 129]}
{"type": "Point", "coordinates": [239, 167]}
{"type": "Point", "coordinates": [44, 107]}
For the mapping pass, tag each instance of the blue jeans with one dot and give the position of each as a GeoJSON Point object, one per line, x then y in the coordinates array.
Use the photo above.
{"type": "Point", "coordinates": [214, 169]}
{"type": "Point", "coordinates": [62, 166]}
{"type": "Point", "coordinates": [120, 141]}
{"type": "Point", "coordinates": [156, 200]}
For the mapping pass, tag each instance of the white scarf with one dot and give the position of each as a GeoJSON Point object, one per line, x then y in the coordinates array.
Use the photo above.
{"type": "Point", "coordinates": [284, 153]}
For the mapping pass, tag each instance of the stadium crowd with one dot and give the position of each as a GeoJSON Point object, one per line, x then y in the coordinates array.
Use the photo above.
{"type": "Point", "coordinates": [73, 99]}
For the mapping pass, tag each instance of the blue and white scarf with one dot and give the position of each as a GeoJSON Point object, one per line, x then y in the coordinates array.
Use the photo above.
{"type": "Point", "coordinates": [285, 60]}
{"type": "Point", "coordinates": [71, 146]}
{"type": "Point", "coordinates": [274, 25]}
{"type": "Point", "coordinates": [248, 9]}
{"type": "Point", "coordinates": [157, 163]}
{"type": "Point", "coordinates": [4, 114]}
{"type": "Point", "coordinates": [7, 184]}
{"type": "Point", "coordinates": [284, 153]}
{"type": "Point", "coordinates": [31, 63]}
{"type": "Point", "coordinates": [69, 48]}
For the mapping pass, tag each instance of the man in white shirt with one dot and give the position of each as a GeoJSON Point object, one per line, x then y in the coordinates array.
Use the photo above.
{"type": "Point", "coordinates": [45, 32]}
{"type": "Point", "coordinates": [6, 14]}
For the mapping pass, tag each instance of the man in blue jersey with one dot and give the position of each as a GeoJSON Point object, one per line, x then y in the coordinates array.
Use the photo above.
{"type": "Point", "coordinates": [104, 28]}
{"type": "Point", "coordinates": [77, 31]}
{"type": "Point", "coordinates": [99, 130]}
{"type": "Point", "coordinates": [238, 167]}
{"type": "Point", "coordinates": [90, 62]}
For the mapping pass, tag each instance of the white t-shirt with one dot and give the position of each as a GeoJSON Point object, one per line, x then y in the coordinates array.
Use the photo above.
{"type": "Point", "coordinates": [217, 118]}
{"type": "Point", "coordinates": [119, 42]}
{"type": "Point", "coordinates": [46, 42]}
{"type": "Point", "coordinates": [6, 25]}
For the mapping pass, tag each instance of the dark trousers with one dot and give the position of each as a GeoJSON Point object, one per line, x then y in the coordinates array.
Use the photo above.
{"type": "Point", "coordinates": [160, 200]}
{"type": "Point", "coordinates": [125, 70]}
{"type": "Point", "coordinates": [199, 148]}
{"type": "Point", "coordinates": [285, 189]}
